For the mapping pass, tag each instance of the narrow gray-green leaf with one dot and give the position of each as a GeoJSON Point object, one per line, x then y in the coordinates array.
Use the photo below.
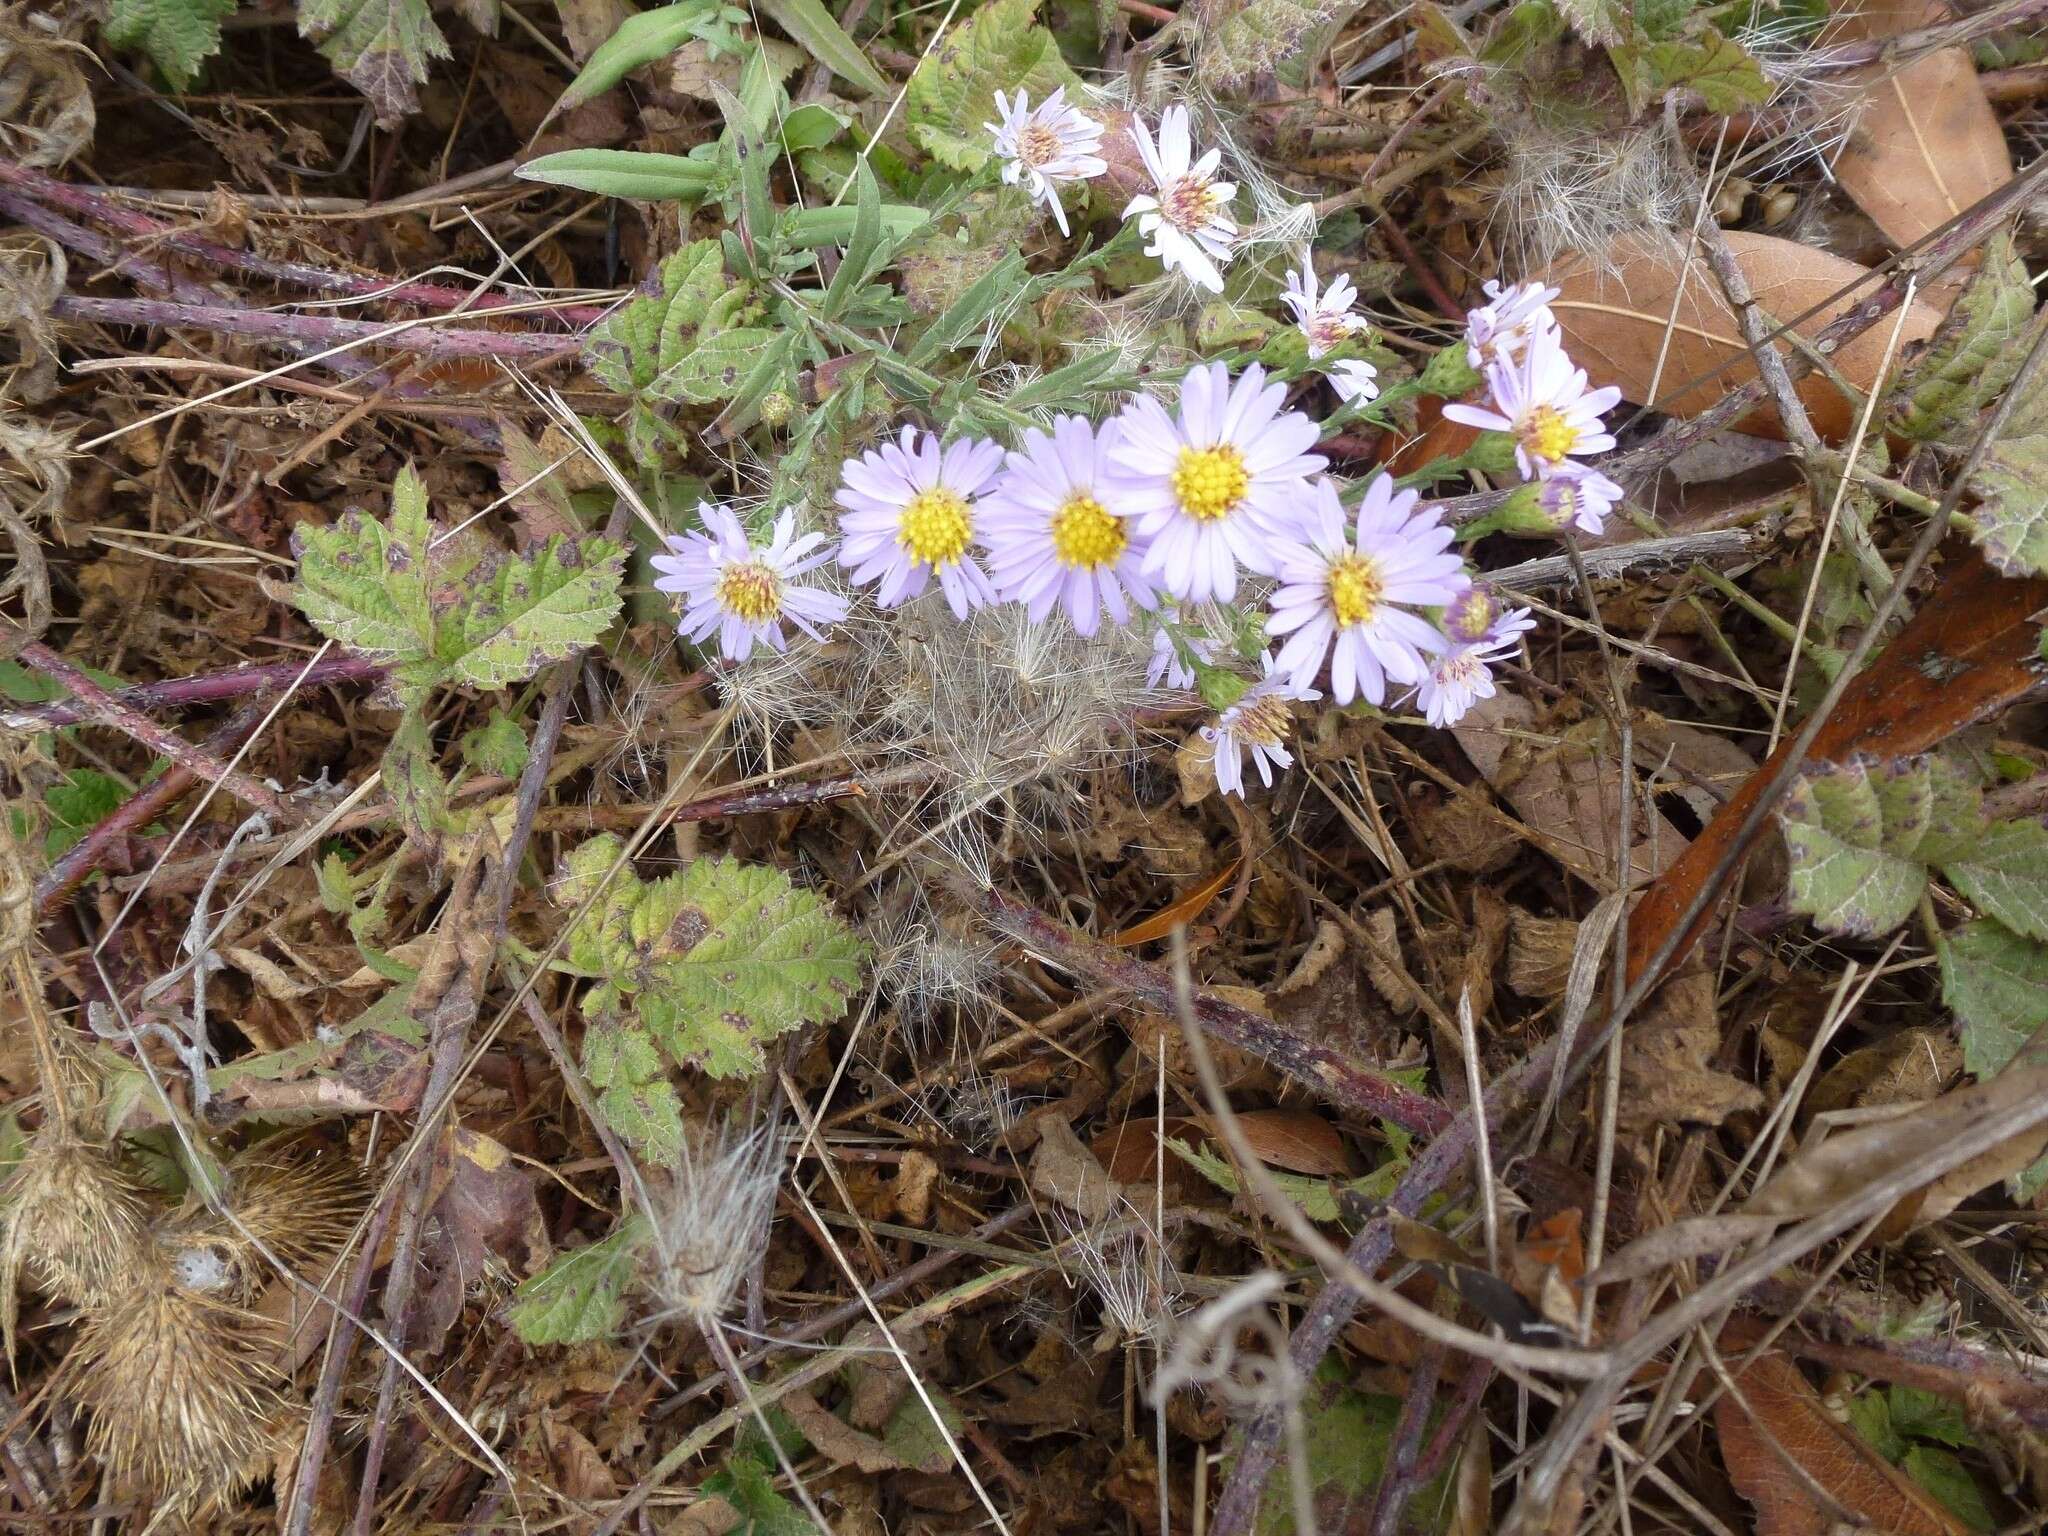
{"type": "Point", "coordinates": [809, 23]}
{"type": "Point", "coordinates": [628, 173]}
{"type": "Point", "coordinates": [640, 40]}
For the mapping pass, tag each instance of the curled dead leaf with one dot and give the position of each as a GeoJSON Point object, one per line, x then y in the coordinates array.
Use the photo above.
{"type": "Point", "coordinates": [1298, 1140]}
{"type": "Point", "coordinates": [1925, 143]}
{"type": "Point", "coordinates": [1777, 1417]}
{"type": "Point", "coordinates": [1615, 312]}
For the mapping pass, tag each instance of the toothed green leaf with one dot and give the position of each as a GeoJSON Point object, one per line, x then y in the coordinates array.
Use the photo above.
{"type": "Point", "coordinates": [953, 92]}
{"type": "Point", "coordinates": [1862, 833]}
{"type": "Point", "coordinates": [633, 1090]}
{"type": "Point", "coordinates": [178, 35]}
{"type": "Point", "coordinates": [452, 612]}
{"type": "Point", "coordinates": [580, 1297]}
{"type": "Point", "coordinates": [381, 47]}
{"type": "Point", "coordinates": [1270, 40]}
{"type": "Point", "coordinates": [1972, 355]}
{"type": "Point", "coordinates": [2005, 875]}
{"type": "Point", "coordinates": [2011, 482]}
{"type": "Point", "coordinates": [498, 746]}
{"type": "Point", "coordinates": [1996, 982]}
{"type": "Point", "coordinates": [419, 793]}
{"type": "Point", "coordinates": [1715, 69]}
{"type": "Point", "coordinates": [85, 798]}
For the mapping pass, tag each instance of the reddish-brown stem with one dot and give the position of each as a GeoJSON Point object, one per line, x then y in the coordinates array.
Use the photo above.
{"type": "Point", "coordinates": [206, 688]}
{"type": "Point", "coordinates": [102, 708]}
{"type": "Point", "coordinates": [322, 331]}
{"type": "Point", "coordinates": [134, 224]}
{"type": "Point", "coordinates": [152, 800]}
{"type": "Point", "coordinates": [1322, 1070]}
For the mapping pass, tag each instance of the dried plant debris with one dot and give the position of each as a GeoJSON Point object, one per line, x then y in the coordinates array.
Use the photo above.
{"type": "Point", "coordinates": [1022, 767]}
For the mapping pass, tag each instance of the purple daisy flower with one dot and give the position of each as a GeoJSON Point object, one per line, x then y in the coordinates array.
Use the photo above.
{"type": "Point", "coordinates": [1212, 488]}
{"type": "Point", "coordinates": [1499, 329]}
{"type": "Point", "coordinates": [1576, 496]}
{"type": "Point", "coordinates": [1054, 534]}
{"type": "Point", "coordinates": [742, 591]}
{"type": "Point", "coordinates": [1546, 405]}
{"type": "Point", "coordinates": [907, 511]}
{"type": "Point", "coordinates": [1166, 668]}
{"type": "Point", "coordinates": [1257, 722]}
{"type": "Point", "coordinates": [1477, 632]}
{"type": "Point", "coordinates": [1360, 592]}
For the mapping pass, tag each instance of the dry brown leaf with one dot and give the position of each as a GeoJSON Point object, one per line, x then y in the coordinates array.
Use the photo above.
{"type": "Point", "coordinates": [1925, 144]}
{"type": "Point", "coordinates": [1785, 1418]}
{"type": "Point", "coordinates": [1064, 1170]}
{"type": "Point", "coordinates": [1565, 792]}
{"type": "Point", "coordinates": [1182, 910]}
{"type": "Point", "coordinates": [1298, 1140]}
{"type": "Point", "coordinates": [917, 1176]}
{"type": "Point", "coordinates": [1540, 953]}
{"type": "Point", "coordinates": [1391, 983]}
{"type": "Point", "coordinates": [580, 1472]}
{"type": "Point", "coordinates": [838, 1441]}
{"type": "Point", "coordinates": [1129, 1153]}
{"type": "Point", "coordinates": [1909, 1067]}
{"type": "Point", "coordinates": [1667, 1071]}
{"type": "Point", "coordinates": [1614, 313]}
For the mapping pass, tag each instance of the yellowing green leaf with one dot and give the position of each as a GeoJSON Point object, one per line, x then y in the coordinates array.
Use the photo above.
{"type": "Point", "coordinates": [1862, 833]}
{"type": "Point", "coordinates": [999, 48]}
{"type": "Point", "coordinates": [633, 1090]}
{"type": "Point", "coordinates": [178, 35]}
{"type": "Point", "coordinates": [381, 47]}
{"type": "Point", "coordinates": [1972, 356]}
{"type": "Point", "coordinates": [580, 1297]}
{"type": "Point", "coordinates": [2011, 483]}
{"type": "Point", "coordinates": [1996, 982]}
{"type": "Point", "coordinates": [632, 348]}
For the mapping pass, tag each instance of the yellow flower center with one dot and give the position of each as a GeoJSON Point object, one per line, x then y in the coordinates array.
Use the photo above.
{"type": "Point", "coordinates": [1262, 721]}
{"type": "Point", "coordinates": [1355, 589]}
{"type": "Point", "coordinates": [753, 592]}
{"type": "Point", "coordinates": [1037, 144]}
{"type": "Point", "coordinates": [935, 527]}
{"type": "Point", "coordinates": [1188, 204]}
{"type": "Point", "coordinates": [1546, 435]}
{"type": "Point", "coordinates": [1084, 535]}
{"type": "Point", "coordinates": [1210, 482]}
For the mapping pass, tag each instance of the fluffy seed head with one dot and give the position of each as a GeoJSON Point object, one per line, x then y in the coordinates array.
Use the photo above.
{"type": "Point", "coordinates": [77, 1218]}
{"type": "Point", "coordinates": [714, 1217]}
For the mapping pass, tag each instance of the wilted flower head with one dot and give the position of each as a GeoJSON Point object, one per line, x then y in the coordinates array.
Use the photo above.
{"type": "Point", "coordinates": [1044, 145]}
{"type": "Point", "coordinates": [1577, 496]}
{"type": "Point", "coordinates": [1055, 533]}
{"type": "Point", "coordinates": [743, 592]}
{"type": "Point", "coordinates": [1477, 633]}
{"type": "Point", "coordinates": [1258, 723]}
{"type": "Point", "coordinates": [1325, 315]}
{"type": "Point", "coordinates": [1186, 216]}
{"type": "Point", "coordinates": [1354, 379]}
{"type": "Point", "coordinates": [1214, 487]}
{"type": "Point", "coordinates": [1499, 329]}
{"type": "Point", "coordinates": [1360, 591]}
{"type": "Point", "coordinates": [907, 510]}
{"type": "Point", "coordinates": [1546, 404]}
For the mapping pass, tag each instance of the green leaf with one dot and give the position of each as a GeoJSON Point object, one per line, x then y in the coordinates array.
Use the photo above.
{"type": "Point", "coordinates": [2011, 482]}
{"type": "Point", "coordinates": [1996, 983]}
{"type": "Point", "coordinates": [1603, 23]}
{"type": "Point", "coordinates": [1923, 1415]}
{"type": "Point", "coordinates": [85, 798]}
{"type": "Point", "coordinates": [1280, 40]}
{"type": "Point", "coordinates": [749, 1487]}
{"type": "Point", "coordinates": [970, 314]}
{"type": "Point", "coordinates": [1350, 1437]}
{"type": "Point", "coordinates": [1715, 69]}
{"type": "Point", "coordinates": [523, 611]}
{"type": "Point", "coordinates": [497, 746]}
{"type": "Point", "coordinates": [952, 93]}
{"type": "Point", "coordinates": [1973, 354]}
{"type": "Point", "coordinates": [418, 791]}
{"type": "Point", "coordinates": [2005, 875]}
{"type": "Point", "coordinates": [1861, 834]}
{"type": "Point", "coordinates": [631, 348]}
{"type": "Point", "coordinates": [1870, 1415]}
{"type": "Point", "coordinates": [381, 47]}
{"type": "Point", "coordinates": [178, 35]}
{"type": "Point", "coordinates": [1943, 1475]}
{"type": "Point", "coordinates": [809, 228]}
{"type": "Point", "coordinates": [436, 610]}
{"type": "Point", "coordinates": [811, 126]}
{"type": "Point", "coordinates": [633, 1090]}
{"type": "Point", "coordinates": [628, 173]}
{"type": "Point", "coordinates": [640, 40]}
{"type": "Point", "coordinates": [810, 24]}
{"type": "Point", "coordinates": [580, 1297]}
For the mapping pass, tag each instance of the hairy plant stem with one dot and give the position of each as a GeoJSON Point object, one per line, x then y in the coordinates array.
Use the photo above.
{"type": "Point", "coordinates": [102, 708]}
{"type": "Point", "coordinates": [205, 688]}
{"type": "Point", "coordinates": [88, 202]}
{"type": "Point", "coordinates": [77, 863]}
{"type": "Point", "coordinates": [318, 330]}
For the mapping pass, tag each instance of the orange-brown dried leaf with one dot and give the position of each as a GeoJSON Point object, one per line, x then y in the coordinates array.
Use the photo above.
{"type": "Point", "coordinates": [1785, 1418]}
{"type": "Point", "coordinates": [1615, 312]}
{"type": "Point", "coordinates": [1925, 144]}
